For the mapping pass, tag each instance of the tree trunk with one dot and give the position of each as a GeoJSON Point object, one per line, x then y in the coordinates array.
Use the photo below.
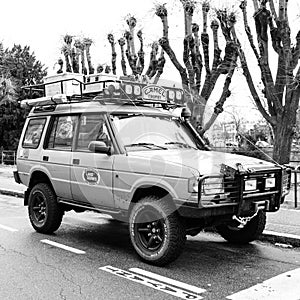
{"type": "Point", "coordinates": [283, 137]}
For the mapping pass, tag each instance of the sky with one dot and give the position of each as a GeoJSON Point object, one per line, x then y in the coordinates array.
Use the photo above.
{"type": "Point", "coordinates": [42, 24]}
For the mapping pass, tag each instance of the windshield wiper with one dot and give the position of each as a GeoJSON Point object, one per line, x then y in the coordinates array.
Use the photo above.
{"type": "Point", "coordinates": [146, 145]}
{"type": "Point", "coordinates": [180, 144]}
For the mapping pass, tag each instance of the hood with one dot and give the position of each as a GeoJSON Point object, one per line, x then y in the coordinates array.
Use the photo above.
{"type": "Point", "coordinates": [205, 162]}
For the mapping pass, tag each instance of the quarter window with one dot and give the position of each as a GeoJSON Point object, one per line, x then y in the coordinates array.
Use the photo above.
{"type": "Point", "coordinates": [33, 133]}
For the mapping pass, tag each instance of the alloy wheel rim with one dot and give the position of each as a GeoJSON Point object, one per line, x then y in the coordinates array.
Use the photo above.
{"type": "Point", "coordinates": [39, 208]}
{"type": "Point", "coordinates": [150, 230]}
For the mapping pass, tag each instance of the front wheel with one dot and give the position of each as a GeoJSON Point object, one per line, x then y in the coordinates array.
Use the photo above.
{"type": "Point", "coordinates": [156, 231]}
{"type": "Point", "coordinates": [45, 214]}
{"type": "Point", "coordinates": [247, 234]}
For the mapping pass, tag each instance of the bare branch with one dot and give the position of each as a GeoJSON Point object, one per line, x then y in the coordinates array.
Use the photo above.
{"type": "Point", "coordinates": [243, 7]}
{"type": "Point", "coordinates": [153, 61]}
{"type": "Point", "coordinates": [162, 12]}
{"type": "Point", "coordinates": [225, 94]}
{"type": "Point", "coordinates": [141, 54]}
{"type": "Point", "coordinates": [205, 10]}
{"type": "Point", "coordinates": [131, 22]}
{"type": "Point", "coordinates": [160, 66]}
{"type": "Point", "coordinates": [198, 58]}
{"type": "Point", "coordinates": [273, 10]}
{"type": "Point", "coordinates": [261, 23]}
{"type": "Point", "coordinates": [252, 88]}
{"type": "Point", "coordinates": [205, 37]}
{"type": "Point", "coordinates": [186, 60]}
{"type": "Point", "coordinates": [188, 7]}
{"type": "Point", "coordinates": [164, 43]}
{"type": "Point", "coordinates": [261, 18]}
{"type": "Point", "coordinates": [275, 36]}
{"type": "Point", "coordinates": [130, 57]}
{"type": "Point", "coordinates": [296, 52]}
{"type": "Point", "coordinates": [255, 4]}
{"type": "Point", "coordinates": [217, 51]}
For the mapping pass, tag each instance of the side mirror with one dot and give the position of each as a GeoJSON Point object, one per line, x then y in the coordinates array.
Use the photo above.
{"type": "Point", "coordinates": [99, 147]}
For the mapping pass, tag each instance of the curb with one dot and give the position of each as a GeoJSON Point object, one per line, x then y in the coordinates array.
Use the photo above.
{"type": "Point", "coordinates": [277, 237]}
{"type": "Point", "coordinates": [12, 193]}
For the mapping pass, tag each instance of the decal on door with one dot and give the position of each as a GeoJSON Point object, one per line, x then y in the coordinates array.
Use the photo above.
{"type": "Point", "coordinates": [91, 176]}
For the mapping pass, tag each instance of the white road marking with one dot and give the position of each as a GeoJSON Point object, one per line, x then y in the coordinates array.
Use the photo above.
{"type": "Point", "coordinates": [71, 249]}
{"type": "Point", "coordinates": [174, 291]}
{"type": "Point", "coordinates": [288, 235]}
{"type": "Point", "coordinates": [281, 287]}
{"type": "Point", "coordinates": [8, 228]}
{"type": "Point", "coordinates": [167, 280]}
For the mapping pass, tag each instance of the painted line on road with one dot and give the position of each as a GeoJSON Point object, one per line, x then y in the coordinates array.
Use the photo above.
{"type": "Point", "coordinates": [8, 228]}
{"type": "Point", "coordinates": [58, 245]}
{"type": "Point", "coordinates": [283, 286]}
{"type": "Point", "coordinates": [287, 235]}
{"type": "Point", "coordinates": [170, 281]}
{"type": "Point", "coordinates": [162, 287]}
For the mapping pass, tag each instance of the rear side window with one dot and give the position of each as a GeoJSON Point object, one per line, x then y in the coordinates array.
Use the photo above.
{"type": "Point", "coordinates": [33, 133]}
{"type": "Point", "coordinates": [62, 133]}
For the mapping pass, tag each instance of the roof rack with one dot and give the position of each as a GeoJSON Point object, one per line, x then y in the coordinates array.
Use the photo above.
{"type": "Point", "coordinates": [74, 87]}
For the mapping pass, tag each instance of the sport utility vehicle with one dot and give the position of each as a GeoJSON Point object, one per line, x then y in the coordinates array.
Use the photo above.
{"type": "Point", "coordinates": [118, 149]}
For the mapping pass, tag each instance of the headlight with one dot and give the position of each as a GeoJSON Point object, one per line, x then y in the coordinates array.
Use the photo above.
{"type": "Point", "coordinates": [270, 182]}
{"type": "Point", "coordinates": [193, 185]}
{"type": "Point", "coordinates": [250, 185]}
{"type": "Point", "coordinates": [213, 186]}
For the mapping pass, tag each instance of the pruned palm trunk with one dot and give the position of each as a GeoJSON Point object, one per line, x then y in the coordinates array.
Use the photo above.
{"type": "Point", "coordinates": [87, 43]}
{"type": "Point", "coordinates": [66, 53]}
{"type": "Point", "coordinates": [111, 40]}
{"type": "Point", "coordinates": [123, 61]}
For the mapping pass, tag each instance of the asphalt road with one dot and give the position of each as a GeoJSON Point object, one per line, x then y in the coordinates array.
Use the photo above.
{"type": "Point", "coordinates": [101, 264]}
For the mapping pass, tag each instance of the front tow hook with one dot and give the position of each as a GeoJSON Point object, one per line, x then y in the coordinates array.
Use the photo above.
{"type": "Point", "coordinates": [244, 220]}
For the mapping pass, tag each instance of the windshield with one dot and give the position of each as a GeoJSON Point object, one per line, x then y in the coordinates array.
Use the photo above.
{"type": "Point", "coordinates": [144, 132]}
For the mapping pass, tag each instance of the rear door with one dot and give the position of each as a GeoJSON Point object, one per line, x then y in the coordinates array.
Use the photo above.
{"type": "Point", "coordinates": [57, 153]}
{"type": "Point", "coordinates": [91, 173]}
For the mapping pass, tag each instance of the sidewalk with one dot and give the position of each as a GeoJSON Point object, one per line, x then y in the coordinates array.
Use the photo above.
{"type": "Point", "coordinates": [282, 226]}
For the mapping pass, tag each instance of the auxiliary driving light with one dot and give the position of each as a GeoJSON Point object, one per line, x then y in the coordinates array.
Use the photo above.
{"type": "Point", "coordinates": [250, 185]}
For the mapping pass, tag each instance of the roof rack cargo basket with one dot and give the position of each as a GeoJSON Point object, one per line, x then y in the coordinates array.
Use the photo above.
{"type": "Point", "coordinates": [74, 87]}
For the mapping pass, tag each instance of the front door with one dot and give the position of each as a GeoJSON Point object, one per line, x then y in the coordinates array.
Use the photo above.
{"type": "Point", "coordinates": [91, 173]}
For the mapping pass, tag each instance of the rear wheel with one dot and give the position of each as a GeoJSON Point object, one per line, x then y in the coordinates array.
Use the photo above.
{"type": "Point", "coordinates": [156, 231]}
{"type": "Point", "coordinates": [44, 212]}
{"type": "Point", "coordinates": [247, 234]}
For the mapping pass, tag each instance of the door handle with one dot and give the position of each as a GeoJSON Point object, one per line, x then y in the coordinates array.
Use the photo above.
{"type": "Point", "coordinates": [45, 158]}
{"type": "Point", "coordinates": [76, 161]}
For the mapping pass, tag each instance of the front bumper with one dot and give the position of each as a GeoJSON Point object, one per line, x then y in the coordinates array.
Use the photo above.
{"type": "Point", "coordinates": [236, 200]}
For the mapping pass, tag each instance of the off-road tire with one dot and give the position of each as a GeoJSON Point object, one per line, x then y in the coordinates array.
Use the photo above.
{"type": "Point", "coordinates": [171, 231]}
{"type": "Point", "coordinates": [45, 214]}
{"type": "Point", "coordinates": [245, 235]}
